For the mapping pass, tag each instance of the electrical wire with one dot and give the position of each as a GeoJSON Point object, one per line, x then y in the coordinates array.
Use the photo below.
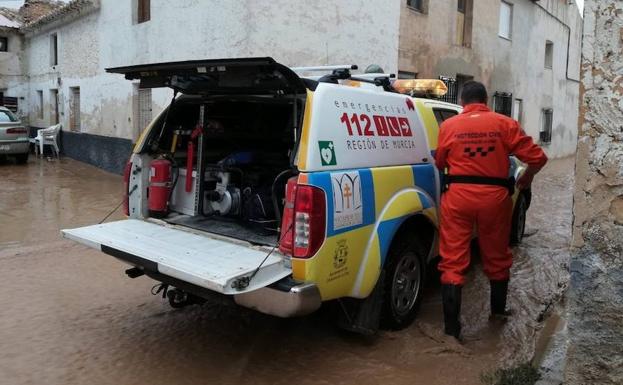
{"type": "Point", "coordinates": [119, 205]}
{"type": "Point", "coordinates": [248, 279]}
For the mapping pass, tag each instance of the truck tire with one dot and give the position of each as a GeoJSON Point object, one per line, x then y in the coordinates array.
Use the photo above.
{"type": "Point", "coordinates": [405, 273]}
{"type": "Point", "coordinates": [518, 224]}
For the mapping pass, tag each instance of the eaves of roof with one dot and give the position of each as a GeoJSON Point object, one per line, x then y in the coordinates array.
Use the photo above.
{"type": "Point", "coordinates": [63, 15]}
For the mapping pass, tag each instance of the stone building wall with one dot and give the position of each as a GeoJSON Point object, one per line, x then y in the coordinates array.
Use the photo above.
{"type": "Point", "coordinates": [595, 307]}
{"type": "Point", "coordinates": [429, 47]}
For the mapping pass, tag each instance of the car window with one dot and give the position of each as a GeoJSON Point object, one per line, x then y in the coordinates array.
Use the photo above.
{"type": "Point", "coordinates": [7, 116]}
{"type": "Point", "coordinates": [442, 115]}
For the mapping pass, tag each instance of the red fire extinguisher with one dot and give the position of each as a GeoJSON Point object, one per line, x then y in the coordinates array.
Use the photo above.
{"type": "Point", "coordinates": [160, 183]}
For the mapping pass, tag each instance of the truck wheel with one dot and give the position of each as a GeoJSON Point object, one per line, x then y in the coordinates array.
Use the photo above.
{"type": "Point", "coordinates": [22, 158]}
{"type": "Point", "coordinates": [518, 224]}
{"type": "Point", "coordinates": [405, 273]}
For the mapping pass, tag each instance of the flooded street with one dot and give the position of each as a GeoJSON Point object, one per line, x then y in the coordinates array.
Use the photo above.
{"type": "Point", "coordinates": [69, 314]}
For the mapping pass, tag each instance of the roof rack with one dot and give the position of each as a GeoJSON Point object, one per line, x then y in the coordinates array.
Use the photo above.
{"type": "Point", "coordinates": [343, 72]}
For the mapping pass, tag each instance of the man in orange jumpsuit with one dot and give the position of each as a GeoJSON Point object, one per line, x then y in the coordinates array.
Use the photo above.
{"type": "Point", "coordinates": [474, 148]}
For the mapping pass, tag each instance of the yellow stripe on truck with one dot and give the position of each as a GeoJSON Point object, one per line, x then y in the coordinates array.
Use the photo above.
{"type": "Point", "coordinates": [388, 181]}
{"type": "Point", "coordinates": [430, 124]}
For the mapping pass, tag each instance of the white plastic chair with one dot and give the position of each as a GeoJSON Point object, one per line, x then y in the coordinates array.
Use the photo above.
{"type": "Point", "coordinates": [48, 136]}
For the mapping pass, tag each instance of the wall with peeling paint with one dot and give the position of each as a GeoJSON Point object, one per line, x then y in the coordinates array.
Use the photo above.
{"type": "Point", "coordinates": [595, 303]}
{"type": "Point", "coordinates": [12, 68]}
{"type": "Point", "coordinates": [428, 46]}
{"type": "Point", "coordinates": [294, 32]}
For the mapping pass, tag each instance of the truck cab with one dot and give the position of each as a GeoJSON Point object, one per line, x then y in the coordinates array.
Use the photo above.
{"type": "Point", "coordinates": [280, 192]}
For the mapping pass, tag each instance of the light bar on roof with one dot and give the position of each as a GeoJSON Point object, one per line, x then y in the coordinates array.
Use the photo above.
{"type": "Point", "coordinates": [421, 87]}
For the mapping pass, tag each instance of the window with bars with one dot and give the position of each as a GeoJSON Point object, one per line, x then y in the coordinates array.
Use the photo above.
{"type": "Point", "coordinates": [545, 136]}
{"type": "Point", "coordinates": [503, 103]}
{"type": "Point", "coordinates": [9, 102]}
{"type": "Point", "coordinates": [452, 96]}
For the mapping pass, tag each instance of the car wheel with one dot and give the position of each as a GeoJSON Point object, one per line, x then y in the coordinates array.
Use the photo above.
{"type": "Point", "coordinates": [405, 274]}
{"type": "Point", "coordinates": [22, 158]}
{"type": "Point", "coordinates": [518, 224]}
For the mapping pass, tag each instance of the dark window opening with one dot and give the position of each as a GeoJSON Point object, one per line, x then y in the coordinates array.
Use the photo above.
{"type": "Point", "coordinates": [143, 11]}
{"type": "Point", "coordinates": [407, 75]}
{"type": "Point", "coordinates": [461, 80]}
{"type": "Point", "coordinates": [418, 5]}
{"type": "Point", "coordinates": [4, 44]}
{"type": "Point", "coordinates": [464, 18]}
{"type": "Point", "coordinates": [53, 49]}
{"type": "Point", "coordinates": [549, 54]}
{"type": "Point", "coordinates": [461, 6]}
{"type": "Point", "coordinates": [442, 115]}
{"type": "Point", "coordinates": [10, 102]}
{"type": "Point", "coordinates": [546, 131]}
{"type": "Point", "coordinates": [503, 103]}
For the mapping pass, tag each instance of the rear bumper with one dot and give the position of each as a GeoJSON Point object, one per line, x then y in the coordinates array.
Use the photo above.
{"type": "Point", "coordinates": [284, 299]}
{"type": "Point", "coordinates": [14, 146]}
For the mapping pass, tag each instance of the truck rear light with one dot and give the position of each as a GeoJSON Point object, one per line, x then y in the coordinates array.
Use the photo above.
{"type": "Point", "coordinates": [309, 221]}
{"type": "Point", "coordinates": [303, 224]}
{"type": "Point", "coordinates": [286, 243]}
{"type": "Point", "coordinates": [17, 130]}
{"type": "Point", "coordinates": [126, 183]}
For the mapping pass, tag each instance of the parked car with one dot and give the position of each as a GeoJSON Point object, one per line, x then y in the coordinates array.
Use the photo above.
{"type": "Point", "coordinates": [13, 136]}
{"type": "Point", "coordinates": [281, 192]}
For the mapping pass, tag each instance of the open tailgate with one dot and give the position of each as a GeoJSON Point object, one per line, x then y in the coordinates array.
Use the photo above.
{"type": "Point", "coordinates": [254, 76]}
{"type": "Point", "coordinates": [207, 262]}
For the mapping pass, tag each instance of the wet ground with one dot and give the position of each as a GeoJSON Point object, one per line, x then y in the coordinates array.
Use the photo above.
{"type": "Point", "coordinates": [69, 315]}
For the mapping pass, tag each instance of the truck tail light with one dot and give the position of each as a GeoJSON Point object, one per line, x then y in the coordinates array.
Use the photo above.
{"type": "Point", "coordinates": [17, 130]}
{"type": "Point", "coordinates": [126, 183]}
{"type": "Point", "coordinates": [304, 224]}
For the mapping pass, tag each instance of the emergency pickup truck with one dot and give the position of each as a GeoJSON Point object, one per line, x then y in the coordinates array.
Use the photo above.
{"type": "Point", "coordinates": [279, 192]}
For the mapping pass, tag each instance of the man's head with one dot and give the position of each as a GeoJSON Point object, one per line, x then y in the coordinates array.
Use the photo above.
{"type": "Point", "coordinates": [473, 92]}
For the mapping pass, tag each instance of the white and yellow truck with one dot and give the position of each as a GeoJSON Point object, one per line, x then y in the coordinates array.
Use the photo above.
{"type": "Point", "coordinates": [285, 191]}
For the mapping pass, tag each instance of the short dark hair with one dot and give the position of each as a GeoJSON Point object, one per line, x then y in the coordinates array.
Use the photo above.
{"type": "Point", "coordinates": [474, 92]}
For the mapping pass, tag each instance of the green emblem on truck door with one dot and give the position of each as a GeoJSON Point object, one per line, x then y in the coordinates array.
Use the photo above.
{"type": "Point", "coordinates": [327, 153]}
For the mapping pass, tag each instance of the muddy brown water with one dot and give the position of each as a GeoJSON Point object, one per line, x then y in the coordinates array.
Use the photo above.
{"type": "Point", "coordinates": [69, 315]}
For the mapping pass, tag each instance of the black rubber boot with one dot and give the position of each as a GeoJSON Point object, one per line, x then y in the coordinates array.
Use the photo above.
{"type": "Point", "coordinates": [499, 291]}
{"type": "Point", "coordinates": [451, 296]}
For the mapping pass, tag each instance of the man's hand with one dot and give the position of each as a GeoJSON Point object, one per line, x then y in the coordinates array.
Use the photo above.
{"type": "Point", "coordinates": [525, 180]}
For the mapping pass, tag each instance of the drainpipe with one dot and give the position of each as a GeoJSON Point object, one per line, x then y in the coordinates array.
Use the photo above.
{"type": "Point", "coordinates": [568, 39]}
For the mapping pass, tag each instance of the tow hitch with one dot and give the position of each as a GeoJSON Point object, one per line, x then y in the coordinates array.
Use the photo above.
{"type": "Point", "coordinates": [177, 298]}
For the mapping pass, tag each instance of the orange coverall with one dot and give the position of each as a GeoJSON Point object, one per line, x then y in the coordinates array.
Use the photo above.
{"type": "Point", "coordinates": [478, 142]}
